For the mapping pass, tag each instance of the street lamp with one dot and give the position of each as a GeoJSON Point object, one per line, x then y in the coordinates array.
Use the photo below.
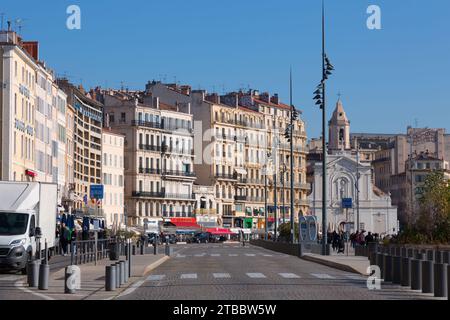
{"type": "Point", "coordinates": [320, 97]}
{"type": "Point", "coordinates": [268, 156]}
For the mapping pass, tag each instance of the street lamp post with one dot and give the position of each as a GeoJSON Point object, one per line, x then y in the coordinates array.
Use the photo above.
{"type": "Point", "coordinates": [320, 97]}
{"type": "Point", "coordinates": [293, 115]}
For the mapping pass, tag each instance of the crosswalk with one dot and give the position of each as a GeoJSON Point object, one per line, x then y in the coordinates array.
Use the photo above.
{"type": "Point", "coordinates": [259, 275]}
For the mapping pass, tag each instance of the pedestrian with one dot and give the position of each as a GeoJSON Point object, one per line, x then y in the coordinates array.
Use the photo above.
{"type": "Point", "coordinates": [369, 238]}
{"type": "Point", "coordinates": [335, 240]}
{"type": "Point", "coordinates": [64, 238]}
{"type": "Point", "coordinates": [341, 243]}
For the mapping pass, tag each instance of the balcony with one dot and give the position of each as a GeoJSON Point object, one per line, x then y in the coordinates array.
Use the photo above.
{"type": "Point", "coordinates": [146, 194]}
{"type": "Point", "coordinates": [147, 124]}
{"type": "Point", "coordinates": [178, 173]}
{"type": "Point", "coordinates": [149, 147]}
{"type": "Point", "coordinates": [168, 127]}
{"type": "Point", "coordinates": [255, 199]}
{"type": "Point", "coordinates": [168, 149]}
{"type": "Point", "coordinates": [240, 198]}
{"type": "Point", "coordinates": [225, 176]}
{"type": "Point", "coordinates": [149, 171]}
{"type": "Point", "coordinates": [302, 202]}
{"type": "Point", "coordinates": [203, 211]}
{"type": "Point", "coordinates": [179, 196]}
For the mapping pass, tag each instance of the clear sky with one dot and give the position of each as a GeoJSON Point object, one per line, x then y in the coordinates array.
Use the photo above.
{"type": "Point", "coordinates": [388, 78]}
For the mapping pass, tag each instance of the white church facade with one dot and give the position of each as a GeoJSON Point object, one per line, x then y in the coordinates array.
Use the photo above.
{"type": "Point", "coordinates": [376, 213]}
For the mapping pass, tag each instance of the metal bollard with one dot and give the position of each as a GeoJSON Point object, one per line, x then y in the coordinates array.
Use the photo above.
{"type": "Point", "coordinates": [440, 280]}
{"type": "Point", "coordinates": [404, 252]}
{"type": "Point", "coordinates": [142, 249]}
{"type": "Point", "coordinates": [397, 270]}
{"type": "Point", "coordinates": [372, 258]}
{"type": "Point", "coordinates": [44, 271]}
{"type": "Point", "coordinates": [126, 271]}
{"type": "Point", "coordinates": [110, 278]}
{"type": "Point", "coordinates": [439, 256]}
{"type": "Point", "coordinates": [154, 248]}
{"type": "Point", "coordinates": [416, 274]}
{"type": "Point", "coordinates": [410, 252]}
{"type": "Point", "coordinates": [33, 273]}
{"type": "Point", "coordinates": [167, 249]}
{"type": "Point", "coordinates": [427, 276]}
{"type": "Point", "coordinates": [419, 256]}
{"type": "Point", "coordinates": [133, 250]}
{"type": "Point", "coordinates": [379, 262]}
{"type": "Point", "coordinates": [446, 257]}
{"type": "Point", "coordinates": [118, 272]}
{"type": "Point", "coordinates": [398, 251]}
{"type": "Point", "coordinates": [406, 272]}
{"type": "Point", "coordinates": [387, 268]}
{"type": "Point", "coordinates": [122, 272]}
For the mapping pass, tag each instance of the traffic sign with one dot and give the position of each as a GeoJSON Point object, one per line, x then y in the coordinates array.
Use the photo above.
{"type": "Point", "coordinates": [96, 191]}
{"type": "Point", "coordinates": [347, 203]}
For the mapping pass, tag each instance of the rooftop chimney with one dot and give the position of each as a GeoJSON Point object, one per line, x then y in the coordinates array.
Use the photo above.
{"type": "Point", "coordinates": [274, 99]}
{"type": "Point", "coordinates": [265, 97]}
{"type": "Point", "coordinates": [213, 97]}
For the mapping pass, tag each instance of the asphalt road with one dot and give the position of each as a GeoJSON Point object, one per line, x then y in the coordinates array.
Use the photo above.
{"type": "Point", "coordinates": [230, 271]}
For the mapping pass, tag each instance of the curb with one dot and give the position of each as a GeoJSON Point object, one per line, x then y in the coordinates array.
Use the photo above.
{"type": "Point", "coordinates": [332, 264]}
{"type": "Point", "coordinates": [136, 284]}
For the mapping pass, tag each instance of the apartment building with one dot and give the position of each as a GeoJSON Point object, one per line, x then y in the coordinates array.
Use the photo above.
{"type": "Point", "coordinates": [113, 179]}
{"type": "Point", "coordinates": [236, 136]}
{"type": "Point", "coordinates": [159, 167]}
{"type": "Point", "coordinates": [17, 107]}
{"type": "Point", "coordinates": [87, 150]}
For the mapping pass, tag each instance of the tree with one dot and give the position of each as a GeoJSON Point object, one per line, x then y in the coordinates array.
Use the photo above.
{"type": "Point", "coordinates": [285, 231]}
{"type": "Point", "coordinates": [434, 208]}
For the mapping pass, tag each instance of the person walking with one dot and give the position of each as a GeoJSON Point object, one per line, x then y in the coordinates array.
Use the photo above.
{"type": "Point", "coordinates": [341, 243]}
{"type": "Point", "coordinates": [369, 238]}
{"type": "Point", "coordinates": [65, 238]}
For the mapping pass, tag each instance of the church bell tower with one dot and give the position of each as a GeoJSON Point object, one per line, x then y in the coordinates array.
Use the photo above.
{"type": "Point", "coordinates": [339, 130]}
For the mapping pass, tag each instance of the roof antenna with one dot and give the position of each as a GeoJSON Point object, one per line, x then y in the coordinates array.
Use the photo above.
{"type": "Point", "coordinates": [3, 17]}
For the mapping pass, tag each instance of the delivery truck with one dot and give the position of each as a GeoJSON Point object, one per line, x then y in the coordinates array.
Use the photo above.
{"type": "Point", "coordinates": [28, 212]}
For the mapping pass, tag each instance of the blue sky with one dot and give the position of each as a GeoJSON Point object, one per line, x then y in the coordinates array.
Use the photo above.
{"type": "Point", "coordinates": [388, 78]}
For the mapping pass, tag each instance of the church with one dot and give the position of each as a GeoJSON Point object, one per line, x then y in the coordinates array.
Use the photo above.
{"type": "Point", "coordinates": [351, 193]}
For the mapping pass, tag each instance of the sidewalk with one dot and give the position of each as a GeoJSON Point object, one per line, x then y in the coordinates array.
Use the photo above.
{"type": "Point", "coordinates": [93, 279]}
{"type": "Point", "coordinates": [350, 263]}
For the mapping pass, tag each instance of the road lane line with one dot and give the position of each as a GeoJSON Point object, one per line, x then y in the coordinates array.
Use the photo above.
{"type": "Point", "coordinates": [155, 277]}
{"type": "Point", "coordinates": [322, 276]}
{"type": "Point", "coordinates": [21, 285]}
{"type": "Point", "coordinates": [215, 254]}
{"type": "Point", "coordinates": [180, 256]}
{"type": "Point", "coordinates": [255, 275]}
{"type": "Point", "coordinates": [188, 276]}
{"type": "Point", "coordinates": [250, 254]}
{"type": "Point", "coordinates": [221, 275]}
{"type": "Point", "coordinates": [289, 275]}
{"type": "Point", "coordinates": [267, 255]}
{"type": "Point", "coordinates": [233, 255]}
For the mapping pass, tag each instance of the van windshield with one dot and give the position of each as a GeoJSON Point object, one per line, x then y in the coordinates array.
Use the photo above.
{"type": "Point", "coordinates": [12, 224]}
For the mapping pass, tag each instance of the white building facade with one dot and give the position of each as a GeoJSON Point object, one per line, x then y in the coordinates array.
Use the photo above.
{"type": "Point", "coordinates": [370, 206]}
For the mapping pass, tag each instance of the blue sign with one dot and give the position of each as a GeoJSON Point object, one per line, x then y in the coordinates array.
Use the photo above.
{"type": "Point", "coordinates": [96, 191]}
{"type": "Point", "coordinates": [347, 203]}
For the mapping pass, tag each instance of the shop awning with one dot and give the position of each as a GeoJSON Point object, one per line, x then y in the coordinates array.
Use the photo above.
{"type": "Point", "coordinates": [220, 231]}
{"type": "Point", "coordinates": [186, 223]}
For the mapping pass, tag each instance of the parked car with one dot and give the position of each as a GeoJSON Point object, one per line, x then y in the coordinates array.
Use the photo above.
{"type": "Point", "coordinates": [152, 237]}
{"type": "Point", "coordinates": [203, 237]}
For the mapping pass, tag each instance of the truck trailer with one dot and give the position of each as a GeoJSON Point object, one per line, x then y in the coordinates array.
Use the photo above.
{"type": "Point", "coordinates": [28, 213]}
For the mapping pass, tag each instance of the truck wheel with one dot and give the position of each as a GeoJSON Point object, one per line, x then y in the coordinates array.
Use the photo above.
{"type": "Point", "coordinates": [24, 270]}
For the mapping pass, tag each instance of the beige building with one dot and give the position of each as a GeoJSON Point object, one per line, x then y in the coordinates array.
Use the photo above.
{"type": "Point", "coordinates": [113, 179]}
{"type": "Point", "coordinates": [17, 107]}
{"type": "Point", "coordinates": [87, 148]}
{"type": "Point", "coordinates": [233, 135]}
{"type": "Point", "coordinates": [159, 170]}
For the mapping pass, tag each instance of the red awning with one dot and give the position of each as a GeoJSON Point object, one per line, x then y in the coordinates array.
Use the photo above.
{"type": "Point", "coordinates": [219, 231]}
{"type": "Point", "coordinates": [185, 223]}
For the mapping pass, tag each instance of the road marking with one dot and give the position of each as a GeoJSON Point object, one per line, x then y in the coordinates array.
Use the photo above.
{"type": "Point", "coordinates": [289, 275]}
{"type": "Point", "coordinates": [215, 254]}
{"type": "Point", "coordinates": [267, 255]}
{"type": "Point", "coordinates": [21, 285]}
{"type": "Point", "coordinates": [354, 277]}
{"type": "Point", "coordinates": [250, 254]}
{"type": "Point", "coordinates": [322, 276]}
{"type": "Point", "coordinates": [233, 255]}
{"type": "Point", "coordinates": [200, 254]}
{"type": "Point", "coordinates": [180, 256]}
{"type": "Point", "coordinates": [155, 277]}
{"type": "Point", "coordinates": [221, 275]}
{"type": "Point", "coordinates": [255, 275]}
{"type": "Point", "coordinates": [188, 276]}
{"type": "Point", "coordinates": [11, 278]}
{"type": "Point", "coordinates": [131, 289]}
